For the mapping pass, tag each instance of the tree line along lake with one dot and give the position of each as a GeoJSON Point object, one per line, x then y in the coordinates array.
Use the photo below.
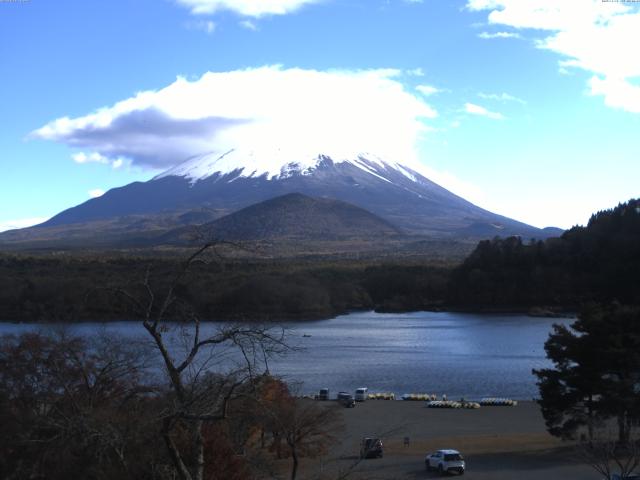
{"type": "Point", "coordinates": [457, 354]}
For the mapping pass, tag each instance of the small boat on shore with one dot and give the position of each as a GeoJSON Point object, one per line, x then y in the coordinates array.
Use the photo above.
{"type": "Point", "coordinates": [498, 402]}
{"type": "Point", "coordinates": [418, 397]}
{"type": "Point", "coordinates": [452, 404]}
{"type": "Point", "coordinates": [382, 396]}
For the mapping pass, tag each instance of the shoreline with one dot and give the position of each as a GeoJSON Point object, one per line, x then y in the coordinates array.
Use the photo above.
{"type": "Point", "coordinates": [535, 312]}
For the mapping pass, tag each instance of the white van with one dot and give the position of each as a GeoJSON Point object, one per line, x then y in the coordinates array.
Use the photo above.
{"type": "Point", "coordinates": [361, 394]}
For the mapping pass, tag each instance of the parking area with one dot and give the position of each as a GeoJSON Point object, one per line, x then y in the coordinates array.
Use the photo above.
{"type": "Point", "coordinates": [497, 443]}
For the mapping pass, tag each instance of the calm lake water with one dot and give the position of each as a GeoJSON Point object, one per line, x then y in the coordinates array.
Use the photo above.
{"type": "Point", "coordinates": [462, 355]}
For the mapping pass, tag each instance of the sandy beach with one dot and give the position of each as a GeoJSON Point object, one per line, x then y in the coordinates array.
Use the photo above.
{"type": "Point", "coordinates": [497, 442]}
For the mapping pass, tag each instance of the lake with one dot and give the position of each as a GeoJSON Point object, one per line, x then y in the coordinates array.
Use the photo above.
{"type": "Point", "coordinates": [459, 354]}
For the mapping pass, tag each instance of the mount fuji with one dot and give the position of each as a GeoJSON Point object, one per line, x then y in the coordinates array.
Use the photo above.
{"type": "Point", "coordinates": [212, 185]}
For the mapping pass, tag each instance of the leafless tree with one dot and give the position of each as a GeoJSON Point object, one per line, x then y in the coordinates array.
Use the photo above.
{"type": "Point", "coordinates": [72, 405]}
{"type": "Point", "coordinates": [306, 428]}
{"type": "Point", "coordinates": [208, 372]}
{"type": "Point", "coordinates": [608, 456]}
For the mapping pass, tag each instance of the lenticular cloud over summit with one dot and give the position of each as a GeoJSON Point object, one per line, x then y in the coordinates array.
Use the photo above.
{"type": "Point", "coordinates": [303, 111]}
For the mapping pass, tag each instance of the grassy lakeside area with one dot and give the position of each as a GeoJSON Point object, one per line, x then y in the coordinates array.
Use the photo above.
{"type": "Point", "coordinates": [497, 442]}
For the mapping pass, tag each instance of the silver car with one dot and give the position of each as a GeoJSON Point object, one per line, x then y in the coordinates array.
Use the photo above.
{"type": "Point", "coordinates": [445, 461]}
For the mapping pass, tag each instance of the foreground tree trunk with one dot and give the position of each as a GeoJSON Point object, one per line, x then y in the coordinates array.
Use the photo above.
{"type": "Point", "coordinates": [199, 450]}
{"type": "Point", "coordinates": [591, 418]}
{"type": "Point", "coordinates": [202, 395]}
{"type": "Point", "coordinates": [294, 466]}
{"type": "Point", "coordinates": [174, 453]}
{"type": "Point", "coordinates": [624, 427]}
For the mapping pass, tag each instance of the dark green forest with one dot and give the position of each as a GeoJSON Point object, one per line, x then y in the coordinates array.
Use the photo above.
{"type": "Point", "coordinates": [596, 263]}
{"type": "Point", "coordinates": [599, 262]}
{"type": "Point", "coordinates": [69, 288]}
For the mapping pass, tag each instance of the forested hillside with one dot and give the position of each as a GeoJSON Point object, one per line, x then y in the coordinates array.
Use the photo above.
{"type": "Point", "coordinates": [599, 262]}
{"type": "Point", "coordinates": [71, 289]}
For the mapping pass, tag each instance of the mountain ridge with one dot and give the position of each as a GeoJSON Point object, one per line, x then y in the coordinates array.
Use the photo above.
{"type": "Point", "coordinates": [223, 184]}
{"type": "Point", "coordinates": [293, 216]}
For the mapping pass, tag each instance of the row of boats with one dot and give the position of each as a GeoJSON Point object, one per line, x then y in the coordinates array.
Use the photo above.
{"type": "Point", "coordinates": [452, 404]}
{"type": "Point", "coordinates": [485, 402]}
{"type": "Point", "coordinates": [433, 402]}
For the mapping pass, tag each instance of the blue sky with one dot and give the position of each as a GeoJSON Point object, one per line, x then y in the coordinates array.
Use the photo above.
{"type": "Point", "coordinates": [530, 109]}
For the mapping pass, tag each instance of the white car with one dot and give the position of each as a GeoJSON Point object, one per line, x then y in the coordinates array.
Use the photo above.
{"type": "Point", "coordinates": [445, 461]}
{"type": "Point", "coordinates": [361, 394]}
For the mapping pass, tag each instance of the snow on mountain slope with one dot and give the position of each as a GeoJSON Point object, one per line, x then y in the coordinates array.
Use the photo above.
{"type": "Point", "coordinates": [278, 164]}
{"type": "Point", "coordinates": [222, 183]}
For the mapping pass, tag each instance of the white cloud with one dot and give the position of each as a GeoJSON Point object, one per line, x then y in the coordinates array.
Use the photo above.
{"type": "Point", "coordinates": [209, 27]}
{"type": "Point", "coordinates": [427, 90]}
{"type": "Point", "coordinates": [304, 111]}
{"type": "Point", "coordinates": [206, 26]}
{"type": "Point", "coordinates": [415, 72]}
{"type": "Point", "coordinates": [617, 93]}
{"type": "Point", "coordinates": [247, 8]}
{"type": "Point", "coordinates": [481, 111]}
{"type": "Point", "coordinates": [96, 192]}
{"type": "Point", "coordinates": [93, 157]}
{"type": "Point", "coordinates": [21, 223]}
{"type": "Point", "coordinates": [592, 35]}
{"type": "Point", "coordinates": [545, 14]}
{"type": "Point", "coordinates": [487, 35]}
{"type": "Point", "coordinates": [501, 97]}
{"type": "Point", "coordinates": [249, 25]}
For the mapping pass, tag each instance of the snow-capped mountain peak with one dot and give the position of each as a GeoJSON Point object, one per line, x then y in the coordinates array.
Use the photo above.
{"type": "Point", "coordinates": [277, 164]}
{"type": "Point", "coordinates": [224, 182]}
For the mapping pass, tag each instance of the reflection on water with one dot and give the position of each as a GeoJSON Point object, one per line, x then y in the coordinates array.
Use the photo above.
{"type": "Point", "coordinates": [462, 355]}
